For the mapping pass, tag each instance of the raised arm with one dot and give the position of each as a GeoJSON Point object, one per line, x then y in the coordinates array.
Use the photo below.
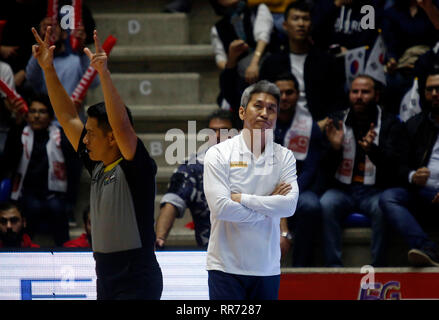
{"type": "Point", "coordinates": [117, 115]}
{"type": "Point", "coordinates": [63, 106]}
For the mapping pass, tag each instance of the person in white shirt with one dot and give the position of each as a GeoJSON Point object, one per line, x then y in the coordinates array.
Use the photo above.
{"type": "Point", "coordinates": [250, 183]}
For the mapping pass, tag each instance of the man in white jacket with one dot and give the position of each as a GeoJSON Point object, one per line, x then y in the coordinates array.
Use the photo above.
{"type": "Point", "coordinates": [250, 183]}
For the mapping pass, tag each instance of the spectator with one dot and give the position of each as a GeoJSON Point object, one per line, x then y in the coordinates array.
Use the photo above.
{"type": "Point", "coordinates": [6, 109]}
{"type": "Point", "coordinates": [321, 88]}
{"type": "Point", "coordinates": [186, 191]}
{"type": "Point", "coordinates": [69, 67]}
{"type": "Point", "coordinates": [84, 241]}
{"type": "Point", "coordinates": [410, 28]}
{"type": "Point", "coordinates": [12, 228]}
{"type": "Point", "coordinates": [337, 24]}
{"type": "Point", "coordinates": [366, 144]}
{"type": "Point", "coordinates": [39, 159]}
{"type": "Point", "coordinates": [296, 130]}
{"type": "Point", "coordinates": [417, 203]}
{"type": "Point", "coordinates": [254, 27]}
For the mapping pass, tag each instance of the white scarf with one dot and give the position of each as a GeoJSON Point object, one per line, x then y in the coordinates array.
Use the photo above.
{"type": "Point", "coordinates": [299, 134]}
{"type": "Point", "coordinates": [57, 178]}
{"type": "Point", "coordinates": [346, 167]}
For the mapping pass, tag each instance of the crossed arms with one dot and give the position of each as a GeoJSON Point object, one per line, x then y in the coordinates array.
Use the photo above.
{"type": "Point", "coordinates": [226, 206]}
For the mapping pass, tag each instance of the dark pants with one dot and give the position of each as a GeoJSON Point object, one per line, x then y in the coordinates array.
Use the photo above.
{"type": "Point", "coordinates": [400, 207]}
{"type": "Point", "coordinates": [47, 210]}
{"type": "Point", "coordinates": [306, 224]}
{"type": "Point", "coordinates": [227, 286]}
{"type": "Point", "coordinates": [336, 205]}
{"type": "Point", "coordinates": [131, 277]}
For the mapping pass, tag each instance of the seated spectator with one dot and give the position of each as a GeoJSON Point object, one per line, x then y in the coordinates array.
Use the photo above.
{"type": "Point", "coordinates": [254, 27]}
{"type": "Point", "coordinates": [12, 228]}
{"type": "Point", "coordinates": [84, 241]}
{"type": "Point", "coordinates": [337, 24]}
{"type": "Point", "coordinates": [296, 130]}
{"type": "Point", "coordinates": [410, 28]}
{"type": "Point", "coordinates": [366, 144]}
{"type": "Point", "coordinates": [417, 203]}
{"type": "Point", "coordinates": [39, 159]}
{"type": "Point", "coordinates": [186, 191]}
{"type": "Point", "coordinates": [277, 9]}
{"type": "Point", "coordinates": [6, 119]}
{"type": "Point", "coordinates": [321, 83]}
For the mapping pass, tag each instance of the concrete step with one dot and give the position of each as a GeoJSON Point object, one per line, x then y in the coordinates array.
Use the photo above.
{"type": "Point", "coordinates": [201, 17]}
{"type": "Point", "coordinates": [150, 118]}
{"type": "Point", "coordinates": [124, 6]}
{"type": "Point", "coordinates": [174, 147]}
{"type": "Point", "coordinates": [162, 58]}
{"type": "Point", "coordinates": [144, 28]}
{"type": "Point", "coordinates": [153, 88]}
{"type": "Point", "coordinates": [170, 59]}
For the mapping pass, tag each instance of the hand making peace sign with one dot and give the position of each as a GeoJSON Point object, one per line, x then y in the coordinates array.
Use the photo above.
{"type": "Point", "coordinates": [99, 59]}
{"type": "Point", "coordinates": [43, 51]}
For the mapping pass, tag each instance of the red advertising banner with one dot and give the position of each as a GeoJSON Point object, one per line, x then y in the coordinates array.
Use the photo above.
{"type": "Point", "coordinates": [407, 283]}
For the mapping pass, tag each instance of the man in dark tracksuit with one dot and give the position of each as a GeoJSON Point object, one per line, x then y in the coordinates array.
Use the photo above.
{"type": "Point", "coordinates": [123, 182]}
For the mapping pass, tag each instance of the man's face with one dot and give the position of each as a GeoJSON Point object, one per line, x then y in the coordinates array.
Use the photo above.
{"type": "Point", "coordinates": [38, 116]}
{"type": "Point", "coordinates": [11, 227]}
{"type": "Point", "coordinates": [298, 25]}
{"type": "Point", "coordinates": [261, 112]}
{"type": "Point", "coordinates": [432, 92]}
{"type": "Point", "coordinates": [362, 94]}
{"type": "Point", "coordinates": [96, 140]}
{"type": "Point", "coordinates": [288, 95]}
{"type": "Point", "coordinates": [217, 124]}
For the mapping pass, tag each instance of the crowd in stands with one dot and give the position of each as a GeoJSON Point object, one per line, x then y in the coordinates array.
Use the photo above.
{"type": "Point", "coordinates": [368, 146]}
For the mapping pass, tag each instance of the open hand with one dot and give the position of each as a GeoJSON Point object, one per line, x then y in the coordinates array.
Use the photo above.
{"type": "Point", "coordinates": [335, 136]}
{"type": "Point", "coordinates": [367, 141]}
{"type": "Point", "coordinates": [43, 51]}
{"type": "Point", "coordinates": [99, 59]}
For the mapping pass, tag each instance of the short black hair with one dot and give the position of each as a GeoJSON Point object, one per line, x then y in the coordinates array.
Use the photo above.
{"type": "Point", "coordinates": [434, 71]}
{"type": "Point", "coordinates": [8, 205]}
{"type": "Point", "coordinates": [43, 99]}
{"type": "Point", "coordinates": [99, 112]}
{"type": "Point", "coordinates": [300, 5]}
{"type": "Point", "coordinates": [221, 114]}
{"type": "Point", "coordinates": [287, 76]}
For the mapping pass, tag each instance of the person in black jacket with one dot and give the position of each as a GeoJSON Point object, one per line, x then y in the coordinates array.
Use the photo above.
{"type": "Point", "coordinates": [418, 200]}
{"type": "Point", "coordinates": [365, 146]}
{"type": "Point", "coordinates": [321, 79]}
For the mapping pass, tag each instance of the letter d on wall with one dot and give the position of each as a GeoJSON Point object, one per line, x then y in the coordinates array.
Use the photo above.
{"type": "Point", "coordinates": [133, 27]}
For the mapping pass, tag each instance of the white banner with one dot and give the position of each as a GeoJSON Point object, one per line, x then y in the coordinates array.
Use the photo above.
{"type": "Point", "coordinates": [71, 275]}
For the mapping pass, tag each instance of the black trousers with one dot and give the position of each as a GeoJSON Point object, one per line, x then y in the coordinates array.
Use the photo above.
{"type": "Point", "coordinates": [128, 277]}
